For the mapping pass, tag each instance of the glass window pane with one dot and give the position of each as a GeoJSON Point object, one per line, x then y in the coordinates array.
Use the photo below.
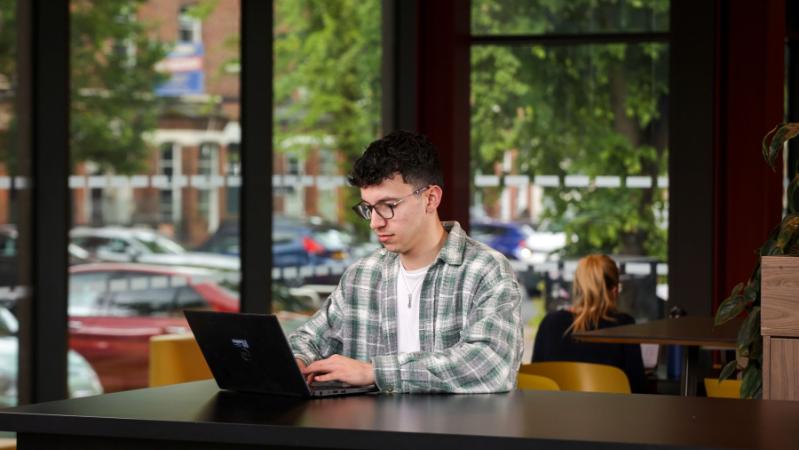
{"type": "Point", "coordinates": [569, 157]}
{"type": "Point", "coordinates": [11, 178]}
{"type": "Point", "coordinates": [154, 115]}
{"type": "Point", "coordinates": [325, 115]}
{"type": "Point", "coordinates": [569, 17]}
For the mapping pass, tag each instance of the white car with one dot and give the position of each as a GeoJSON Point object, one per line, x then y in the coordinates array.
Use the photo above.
{"type": "Point", "coordinates": [120, 244]}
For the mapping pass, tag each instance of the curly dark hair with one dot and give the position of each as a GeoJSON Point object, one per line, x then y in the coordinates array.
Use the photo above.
{"type": "Point", "coordinates": [410, 154]}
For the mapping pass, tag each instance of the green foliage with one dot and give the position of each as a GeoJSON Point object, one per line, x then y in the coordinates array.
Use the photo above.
{"type": "Point", "coordinates": [8, 71]}
{"type": "Point", "coordinates": [113, 77]}
{"type": "Point", "coordinates": [783, 240]}
{"type": "Point", "coordinates": [326, 75]}
{"type": "Point", "coordinates": [202, 10]}
{"type": "Point", "coordinates": [581, 109]}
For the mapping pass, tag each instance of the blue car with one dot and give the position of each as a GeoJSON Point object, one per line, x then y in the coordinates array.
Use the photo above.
{"type": "Point", "coordinates": [519, 241]}
{"type": "Point", "coordinates": [300, 244]}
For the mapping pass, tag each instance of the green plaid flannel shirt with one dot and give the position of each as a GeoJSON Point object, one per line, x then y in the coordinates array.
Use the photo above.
{"type": "Point", "coordinates": [470, 327]}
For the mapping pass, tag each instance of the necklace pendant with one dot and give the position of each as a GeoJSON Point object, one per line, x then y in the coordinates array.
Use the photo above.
{"type": "Point", "coordinates": [410, 299]}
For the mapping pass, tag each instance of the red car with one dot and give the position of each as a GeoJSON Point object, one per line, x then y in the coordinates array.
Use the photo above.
{"type": "Point", "coordinates": [114, 309]}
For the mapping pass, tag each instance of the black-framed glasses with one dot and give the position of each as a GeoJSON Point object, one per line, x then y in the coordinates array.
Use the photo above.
{"type": "Point", "coordinates": [383, 209]}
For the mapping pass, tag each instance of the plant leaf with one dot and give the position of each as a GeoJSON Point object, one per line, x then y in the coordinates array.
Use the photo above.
{"type": "Point", "coordinates": [728, 370]}
{"type": "Point", "coordinates": [751, 382]}
{"type": "Point", "coordinates": [731, 307]}
{"type": "Point", "coordinates": [752, 291]}
{"type": "Point", "coordinates": [749, 331]}
{"type": "Point", "coordinates": [788, 231]}
{"type": "Point", "coordinates": [768, 247]}
{"type": "Point", "coordinates": [779, 135]}
{"type": "Point", "coordinates": [791, 194]}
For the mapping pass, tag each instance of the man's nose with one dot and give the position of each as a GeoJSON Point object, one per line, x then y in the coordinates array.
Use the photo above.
{"type": "Point", "coordinates": [375, 221]}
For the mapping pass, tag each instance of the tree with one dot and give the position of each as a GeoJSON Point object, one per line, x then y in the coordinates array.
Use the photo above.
{"type": "Point", "coordinates": [327, 74]}
{"type": "Point", "coordinates": [113, 77]}
{"type": "Point", "coordinates": [583, 109]}
{"type": "Point", "coordinates": [8, 82]}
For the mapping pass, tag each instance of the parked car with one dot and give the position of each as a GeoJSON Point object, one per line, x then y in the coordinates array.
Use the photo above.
{"type": "Point", "coordinates": [114, 309]}
{"type": "Point", "coordinates": [83, 380]}
{"type": "Point", "coordinates": [9, 262]}
{"type": "Point", "coordinates": [120, 244]}
{"type": "Point", "coordinates": [295, 243]}
{"type": "Point", "coordinates": [519, 241]}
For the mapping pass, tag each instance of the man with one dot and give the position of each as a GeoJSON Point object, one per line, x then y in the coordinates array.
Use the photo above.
{"type": "Point", "coordinates": [431, 311]}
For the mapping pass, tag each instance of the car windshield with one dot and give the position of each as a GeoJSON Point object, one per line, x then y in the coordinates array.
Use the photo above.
{"type": "Point", "coordinates": [160, 244]}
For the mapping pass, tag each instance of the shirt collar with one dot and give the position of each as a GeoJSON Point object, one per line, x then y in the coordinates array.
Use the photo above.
{"type": "Point", "coordinates": [455, 245]}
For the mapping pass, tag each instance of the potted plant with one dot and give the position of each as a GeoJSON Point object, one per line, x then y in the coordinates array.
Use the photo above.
{"type": "Point", "coordinates": [745, 297]}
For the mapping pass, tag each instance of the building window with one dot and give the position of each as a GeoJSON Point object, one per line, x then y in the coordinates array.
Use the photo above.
{"type": "Point", "coordinates": [208, 197]}
{"type": "Point", "coordinates": [169, 197]}
{"type": "Point", "coordinates": [189, 26]}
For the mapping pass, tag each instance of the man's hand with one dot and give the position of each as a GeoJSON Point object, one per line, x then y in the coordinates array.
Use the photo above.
{"type": "Point", "coordinates": [301, 365]}
{"type": "Point", "coordinates": [341, 368]}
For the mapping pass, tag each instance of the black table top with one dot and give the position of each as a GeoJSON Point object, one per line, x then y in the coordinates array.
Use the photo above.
{"type": "Point", "coordinates": [200, 412]}
{"type": "Point", "coordinates": [691, 330]}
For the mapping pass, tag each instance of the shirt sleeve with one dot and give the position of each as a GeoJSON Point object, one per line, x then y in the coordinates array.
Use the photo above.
{"type": "Point", "coordinates": [486, 359]}
{"type": "Point", "coordinates": [320, 336]}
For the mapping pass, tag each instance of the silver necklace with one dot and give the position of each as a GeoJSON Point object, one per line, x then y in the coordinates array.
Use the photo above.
{"type": "Point", "coordinates": [403, 275]}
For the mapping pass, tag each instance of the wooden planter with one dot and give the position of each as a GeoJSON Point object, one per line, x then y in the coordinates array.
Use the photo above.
{"type": "Point", "coordinates": [779, 325]}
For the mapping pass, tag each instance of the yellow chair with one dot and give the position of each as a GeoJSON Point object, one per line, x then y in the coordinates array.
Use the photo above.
{"type": "Point", "coordinates": [725, 389]}
{"type": "Point", "coordinates": [528, 381]}
{"type": "Point", "coordinates": [582, 377]}
{"type": "Point", "coordinates": [176, 358]}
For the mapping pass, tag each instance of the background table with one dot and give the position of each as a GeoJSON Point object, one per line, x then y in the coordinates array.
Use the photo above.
{"type": "Point", "coordinates": [199, 416]}
{"type": "Point", "coordinates": [689, 332]}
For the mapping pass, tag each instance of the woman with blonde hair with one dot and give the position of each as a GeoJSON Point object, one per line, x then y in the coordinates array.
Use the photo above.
{"type": "Point", "coordinates": [595, 290]}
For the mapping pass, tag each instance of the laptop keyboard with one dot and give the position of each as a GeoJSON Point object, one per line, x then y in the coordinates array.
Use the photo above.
{"type": "Point", "coordinates": [328, 385]}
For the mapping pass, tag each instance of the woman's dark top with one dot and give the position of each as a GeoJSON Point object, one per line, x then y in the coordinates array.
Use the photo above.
{"type": "Point", "coordinates": [552, 345]}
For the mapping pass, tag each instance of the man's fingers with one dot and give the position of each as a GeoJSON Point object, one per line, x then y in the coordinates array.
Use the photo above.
{"type": "Point", "coordinates": [325, 377]}
{"type": "Point", "coordinates": [317, 366]}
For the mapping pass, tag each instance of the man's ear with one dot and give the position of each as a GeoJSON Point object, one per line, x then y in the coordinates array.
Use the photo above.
{"type": "Point", "coordinates": [433, 197]}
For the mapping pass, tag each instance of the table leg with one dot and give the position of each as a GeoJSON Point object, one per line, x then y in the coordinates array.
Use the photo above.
{"type": "Point", "coordinates": [690, 365]}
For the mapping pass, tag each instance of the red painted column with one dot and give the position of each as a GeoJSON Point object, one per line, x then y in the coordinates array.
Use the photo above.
{"type": "Point", "coordinates": [443, 96]}
{"type": "Point", "coordinates": [750, 77]}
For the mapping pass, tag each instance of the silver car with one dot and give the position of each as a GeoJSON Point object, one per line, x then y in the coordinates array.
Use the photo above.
{"type": "Point", "coordinates": [120, 244]}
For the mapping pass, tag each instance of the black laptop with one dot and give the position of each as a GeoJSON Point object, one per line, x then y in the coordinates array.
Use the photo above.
{"type": "Point", "coordinates": [249, 352]}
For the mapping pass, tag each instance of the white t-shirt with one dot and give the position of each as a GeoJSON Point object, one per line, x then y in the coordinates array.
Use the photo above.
{"type": "Point", "coordinates": [409, 283]}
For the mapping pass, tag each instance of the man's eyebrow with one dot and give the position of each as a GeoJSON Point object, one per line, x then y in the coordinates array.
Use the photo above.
{"type": "Point", "coordinates": [383, 200]}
